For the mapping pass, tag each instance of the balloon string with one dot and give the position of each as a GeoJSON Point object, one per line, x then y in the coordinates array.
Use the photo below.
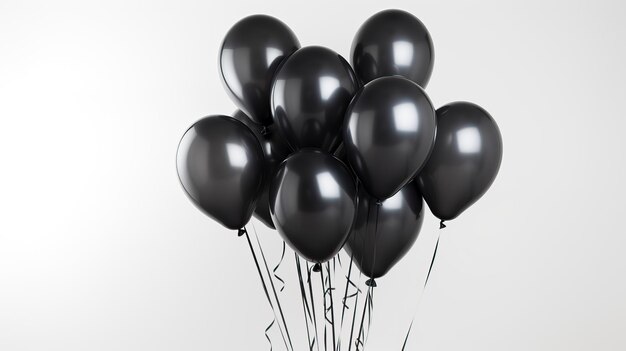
{"type": "Point", "coordinates": [243, 231]}
{"type": "Point", "coordinates": [267, 331]}
{"type": "Point", "coordinates": [367, 309]}
{"type": "Point", "coordinates": [369, 304]}
{"type": "Point", "coordinates": [372, 282]}
{"type": "Point", "coordinates": [282, 256]}
{"type": "Point", "coordinates": [305, 304]}
{"type": "Point", "coordinates": [432, 261]}
{"type": "Point", "coordinates": [312, 300]}
{"type": "Point", "coordinates": [331, 308]}
{"type": "Point", "coordinates": [369, 314]}
{"type": "Point", "coordinates": [356, 299]}
{"type": "Point", "coordinates": [346, 296]}
{"type": "Point", "coordinates": [280, 309]}
{"type": "Point", "coordinates": [325, 310]}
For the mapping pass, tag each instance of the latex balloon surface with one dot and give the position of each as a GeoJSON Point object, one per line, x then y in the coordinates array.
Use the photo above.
{"type": "Point", "coordinates": [313, 204]}
{"type": "Point", "coordinates": [389, 133]}
{"type": "Point", "coordinates": [250, 54]}
{"type": "Point", "coordinates": [310, 95]}
{"type": "Point", "coordinates": [377, 247]}
{"type": "Point", "coordinates": [275, 151]}
{"type": "Point", "coordinates": [220, 165]}
{"type": "Point", "coordinates": [465, 160]}
{"type": "Point", "coordinates": [393, 42]}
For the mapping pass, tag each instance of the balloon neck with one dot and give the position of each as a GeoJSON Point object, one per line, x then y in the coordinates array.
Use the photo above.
{"type": "Point", "coordinates": [441, 224]}
{"type": "Point", "coordinates": [241, 231]}
{"type": "Point", "coordinates": [317, 267]}
{"type": "Point", "coordinates": [371, 283]}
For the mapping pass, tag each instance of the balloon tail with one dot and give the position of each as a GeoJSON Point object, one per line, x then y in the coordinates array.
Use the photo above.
{"type": "Point", "coordinates": [317, 268]}
{"type": "Point", "coordinates": [430, 268]}
{"type": "Point", "coordinates": [441, 224]}
{"type": "Point", "coordinates": [371, 282]}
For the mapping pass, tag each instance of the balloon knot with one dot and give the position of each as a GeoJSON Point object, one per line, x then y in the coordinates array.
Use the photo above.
{"type": "Point", "coordinates": [379, 203]}
{"type": "Point", "coordinates": [317, 267]}
{"type": "Point", "coordinates": [241, 231]}
{"type": "Point", "coordinates": [265, 131]}
{"type": "Point", "coordinates": [371, 282]}
{"type": "Point", "coordinates": [441, 225]}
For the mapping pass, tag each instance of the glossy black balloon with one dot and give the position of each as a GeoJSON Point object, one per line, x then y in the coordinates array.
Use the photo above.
{"type": "Point", "coordinates": [275, 151]}
{"type": "Point", "coordinates": [313, 204]}
{"type": "Point", "coordinates": [393, 42]}
{"type": "Point", "coordinates": [376, 248]}
{"type": "Point", "coordinates": [220, 165]}
{"type": "Point", "coordinates": [311, 92]}
{"type": "Point", "coordinates": [465, 160]}
{"type": "Point", "coordinates": [389, 133]}
{"type": "Point", "coordinates": [250, 54]}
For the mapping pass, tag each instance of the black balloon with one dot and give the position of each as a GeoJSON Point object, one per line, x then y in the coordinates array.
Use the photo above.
{"type": "Point", "coordinates": [220, 165]}
{"type": "Point", "coordinates": [465, 160]}
{"type": "Point", "coordinates": [311, 92]}
{"type": "Point", "coordinates": [389, 133]}
{"type": "Point", "coordinates": [376, 245]}
{"type": "Point", "coordinates": [313, 204]}
{"type": "Point", "coordinates": [275, 150]}
{"type": "Point", "coordinates": [393, 42]}
{"type": "Point", "coordinates": [250, 54]}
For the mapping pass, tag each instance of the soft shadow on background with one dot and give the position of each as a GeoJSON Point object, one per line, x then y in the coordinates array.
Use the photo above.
{"type": "Point", "coordinates": [100, 249]}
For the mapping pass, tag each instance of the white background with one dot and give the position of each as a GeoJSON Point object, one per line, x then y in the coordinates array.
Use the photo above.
{"type": "Point", "coordinates": [101, 250]}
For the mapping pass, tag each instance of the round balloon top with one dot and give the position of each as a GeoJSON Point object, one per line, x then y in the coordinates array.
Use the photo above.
{"type": "Point", "coordinates": [388, 134]}
{"type": "Point", "coordinates": [220, 165]}
{"type": "Point", "coordinates": [393, 42]}
{"type": "Point", "coordinates": [313, 203]}
{"type": "Point", "coordinates": [465, 160]}
{"type": "Point", "coordinates": [310, 94]}
{"type": "Point", "coordinates": [250, 54]}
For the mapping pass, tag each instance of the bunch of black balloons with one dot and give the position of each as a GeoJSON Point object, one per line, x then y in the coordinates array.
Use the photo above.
{"type": "Point", "coordinates": [335, 154]}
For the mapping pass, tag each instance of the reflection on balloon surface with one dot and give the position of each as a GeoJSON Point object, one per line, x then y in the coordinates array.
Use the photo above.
{"type": "Point", "coordinates": [389, 134]}
{"type": "Point", "coordinates": [313, 203]}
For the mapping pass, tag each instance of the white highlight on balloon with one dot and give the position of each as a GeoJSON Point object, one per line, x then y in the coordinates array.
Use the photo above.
{"type": "Point", "coordinates": [268, 148]}
{"type": "Point", "coordinates": [271, 54]}
{"type": "Point", "coordinates": [228, 70]}
{"type": "Point", "coordinates": [328, 85]}
{"type": "Point", "coordinates": [402, 53]}
{"type": "Point", "coordinates": [468, 140]}
{"type": "Point", "coordinates": [327, 185]}
{"type": "Point", "coordinates": [394, 202]}
{"type": "Point", "coordinates": [236, 155]}
{"type": "Point", "coordinates": [278, 97]}
{"type": "Point", "coordinates": [352, 126]}
{"type": "Point", "coordinates": [405, 117]}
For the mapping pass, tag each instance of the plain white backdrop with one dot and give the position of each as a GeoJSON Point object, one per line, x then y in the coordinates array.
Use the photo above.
{"type": "Point", "coordinates": [101, 250]}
